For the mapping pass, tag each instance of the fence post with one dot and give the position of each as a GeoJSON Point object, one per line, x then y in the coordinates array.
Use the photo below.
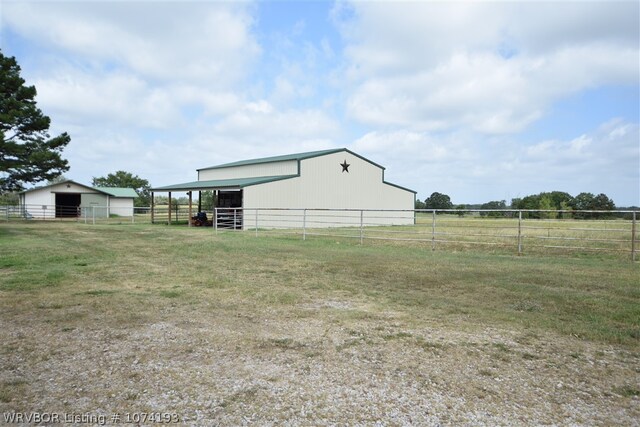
{"type": "Point", "coordinates": [304, 224]}
{"type": "Point", "coordinates": [519, 232]}
{"type": "Point", "coordinates": [633, 236]}
{"type": "Point", "coordinates": [215, 219]}
{"type": "Point", "coordinates": [256, 222]}
{"type": "Point", "coordinates": [361, 229]}
{"type": "Point", "coordinates": [433, 230]}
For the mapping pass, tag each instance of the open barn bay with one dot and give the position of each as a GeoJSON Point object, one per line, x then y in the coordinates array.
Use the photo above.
{"type": "Point", "coordinates": [230, 329]}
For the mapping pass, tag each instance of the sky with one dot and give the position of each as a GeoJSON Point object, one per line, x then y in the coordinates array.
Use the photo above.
{"type": "Point", "coordinates": [481, 101]}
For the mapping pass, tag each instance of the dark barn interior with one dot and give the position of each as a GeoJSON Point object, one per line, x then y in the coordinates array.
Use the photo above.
{"type": "Point", "coordinates": [67, 205]}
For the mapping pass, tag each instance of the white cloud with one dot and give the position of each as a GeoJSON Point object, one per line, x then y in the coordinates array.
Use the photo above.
{"type": "Point", "coordinates": [493, 67]}
{"type": "Point", "coordinates": [205, 42]}
{"type": "Point", "coordinates": [260, 121]}
{"type": "Point", "coordinates": [421, 147]}
{"type": "Point", "coordinates": [477, 169]}
{"type": "Point", "coordinates": [114, 98]}
{"type": "Point", "coordinates": [147, 65]}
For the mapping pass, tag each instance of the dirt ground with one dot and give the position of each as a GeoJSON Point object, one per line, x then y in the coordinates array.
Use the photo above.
{"type": "Point", "coordinates": [334, 362]}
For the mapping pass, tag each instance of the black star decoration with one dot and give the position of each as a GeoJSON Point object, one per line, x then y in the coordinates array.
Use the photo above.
{"type": "Point", "coordinates": [345, 166]}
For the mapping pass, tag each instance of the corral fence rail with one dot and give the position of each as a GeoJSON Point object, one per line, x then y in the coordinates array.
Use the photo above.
{"type": "Point", "coordinates": [514, 231]}
{"type": "Point", "coordinates": [89, 214]}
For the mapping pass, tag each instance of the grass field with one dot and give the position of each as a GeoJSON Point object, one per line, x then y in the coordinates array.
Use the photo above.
{"type": "Point", "coordinates": [231, 329]}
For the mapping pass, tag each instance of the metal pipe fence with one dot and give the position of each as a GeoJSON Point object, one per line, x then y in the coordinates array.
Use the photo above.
{"type": "Point", "coordinates": [84, 214]}
{"type": "Point", "coordinates": [509, 231]}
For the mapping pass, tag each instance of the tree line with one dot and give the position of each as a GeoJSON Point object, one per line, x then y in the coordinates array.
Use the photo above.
{"type": "Point", "coordinates": [544, 201]}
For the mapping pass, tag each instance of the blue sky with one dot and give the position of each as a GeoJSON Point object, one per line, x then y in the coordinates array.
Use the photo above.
{"type": "Point", "coordinates": [479, 100]}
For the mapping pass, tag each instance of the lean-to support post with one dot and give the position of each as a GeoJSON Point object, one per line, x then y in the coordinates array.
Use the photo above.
{"type": "Point", "coordinates": [169, 209]}
{"type": "Point", "coordinates": [190, 213]}
{"type": "Point", "coordinates": [153, 198]}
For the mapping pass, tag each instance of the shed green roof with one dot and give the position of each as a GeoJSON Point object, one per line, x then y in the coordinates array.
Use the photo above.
{"type": "Point", "coordinates": [118, 191]}
{"type": "Point", "coordinates": [297, 156]}
{"type": "Point", "coordinates": [222, 183]}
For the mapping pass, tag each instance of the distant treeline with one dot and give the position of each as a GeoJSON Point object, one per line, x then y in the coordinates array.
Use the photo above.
{"type": "Point", "coordinates": [545, 201]}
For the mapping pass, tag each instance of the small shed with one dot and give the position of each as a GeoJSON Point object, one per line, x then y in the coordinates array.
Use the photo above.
{"type": "Point", "coordinates": [336, 179]}
{"type": "Point", "coordinates": [67, 199]}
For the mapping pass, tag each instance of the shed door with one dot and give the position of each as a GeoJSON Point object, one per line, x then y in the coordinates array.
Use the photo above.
{"type": "Point", "coordinates": [67, 205]}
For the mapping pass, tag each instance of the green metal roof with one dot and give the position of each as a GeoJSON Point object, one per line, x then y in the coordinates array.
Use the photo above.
{"type": "Point", "coordinates": [222, 183]}
{"type": "Point", "coordinates": [118, 191]}
{"type": "Point", "coordinates": [298, 157]}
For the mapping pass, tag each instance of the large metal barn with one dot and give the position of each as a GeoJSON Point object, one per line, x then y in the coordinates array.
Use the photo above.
{"type": "Point", "coordinates": [328, 179]}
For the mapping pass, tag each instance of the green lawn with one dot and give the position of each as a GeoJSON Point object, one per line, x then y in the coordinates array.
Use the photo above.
{"type": "Point", "coordinates": [65, 280]}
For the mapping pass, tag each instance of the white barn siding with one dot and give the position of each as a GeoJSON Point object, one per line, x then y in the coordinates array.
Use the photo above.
{"type": "Point", "coordinates": [322, 184]}
{"type": "Point", "coordinates": [288, 167]}
{"type": "Point", "coordinates": [39, 198]}
{"type": "Point", "coordinates": [121, 206]}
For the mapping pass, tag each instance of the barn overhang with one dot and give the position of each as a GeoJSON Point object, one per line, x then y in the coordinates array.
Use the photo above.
{"type": "Point", "coordinates": [232, 188]}
{"type": "Point", "coordinates": [221, 184]}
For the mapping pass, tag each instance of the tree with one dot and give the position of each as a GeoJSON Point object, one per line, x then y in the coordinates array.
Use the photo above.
{"type": "Point", "coordinates": [584, 202]}
{"type": "Point", "coordinates": [419, 204]}
{"type": "Point", "coordinates": [27, 153]}
{"type": "Point", "coordinates": [461, 208]}
{"type": "Point", "coordinates": [559, 199]}
{"type": "Point", "coordinates": [208, 200]}
{"type": "Point", "coordinates": [58, 179]}
{"type": "Point", "coordinates": [495, 205]}
{"type": "Point", "coordinates": [127, 180]}
{"type": "Point", "coordinates": [9, 199]}
{"type": "Point", "coordinates": [546, 204]}
{"type": "Point", "coordinates": [529, 202]}
{"type": "Point", "coordinates": [603, 203]}
{"type": "Point", "coordinates": [438, 201]}
{"type": "Point", "coordinates": [587, 201]}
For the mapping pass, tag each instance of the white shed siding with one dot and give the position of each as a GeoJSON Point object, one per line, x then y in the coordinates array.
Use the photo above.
{"type": "Point", "coordinates": [122, 206]}
{"type": "Point", "coordinates": [288, 167]}
{"type": "Point", "coordinates": [44, 197]}
{"type": "Point", "coordinates": [322, 184]}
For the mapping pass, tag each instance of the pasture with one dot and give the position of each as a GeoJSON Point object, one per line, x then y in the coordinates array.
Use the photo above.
{"type": "Point", "coordinates": [230, 329]}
